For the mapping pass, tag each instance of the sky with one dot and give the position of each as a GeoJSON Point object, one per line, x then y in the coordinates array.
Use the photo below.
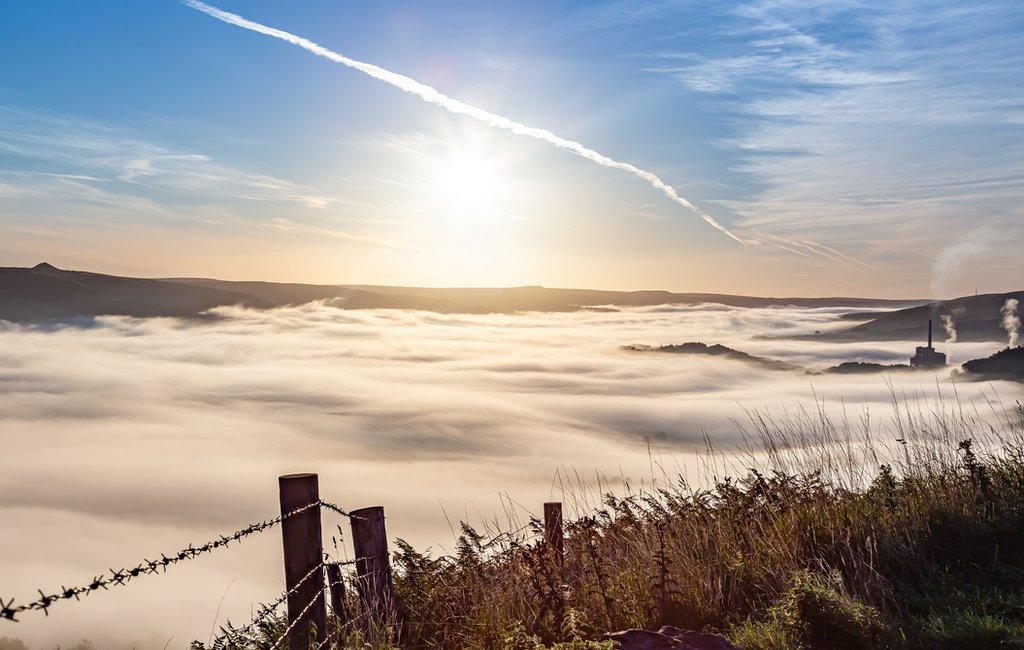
{"type": "Point", "coordinates": [858, 149]}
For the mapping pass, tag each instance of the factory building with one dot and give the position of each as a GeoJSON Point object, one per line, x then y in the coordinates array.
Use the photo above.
{"type": "Point", "coordinates": [927, 357]}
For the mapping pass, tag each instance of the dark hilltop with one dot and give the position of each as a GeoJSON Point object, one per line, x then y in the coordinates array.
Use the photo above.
{"type": "Point", "coordinates": [714, 350]}
{"type": "Point", "coordinates": [975, 319]}
{"type": "Point", "coordinates": [47, 293]}
{"type": "Point", "coordinates": [1008, 363]}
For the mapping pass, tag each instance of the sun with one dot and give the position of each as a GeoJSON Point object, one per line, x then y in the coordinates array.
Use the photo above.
{"type": "Point", "coordinates": [469, 185]}
{"type": "Point", "coordinates": [469, 182]}
{"type": "Point", "coordinates": [472, 205]}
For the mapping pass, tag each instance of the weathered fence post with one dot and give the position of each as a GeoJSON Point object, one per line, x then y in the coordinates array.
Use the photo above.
{"type": "Point", "coordinates": [303, 553]}
{"type": "Point", "coordinates": [373, 564]}
{"type": "Point", "coordinates": [553, 529]}
{"type": "Point", "coordinates": [338, 607]}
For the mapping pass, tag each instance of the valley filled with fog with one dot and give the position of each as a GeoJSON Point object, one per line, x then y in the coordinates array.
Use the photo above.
{"type": "Point", "coordinates": [130, 437]}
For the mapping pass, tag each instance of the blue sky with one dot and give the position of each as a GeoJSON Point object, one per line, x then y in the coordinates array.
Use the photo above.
{"type": "Point", "coordinates": [872, 150]}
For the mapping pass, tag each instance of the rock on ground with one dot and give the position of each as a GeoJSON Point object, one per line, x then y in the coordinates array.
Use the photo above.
{"type": "Point", "coordinates": [669, 638]}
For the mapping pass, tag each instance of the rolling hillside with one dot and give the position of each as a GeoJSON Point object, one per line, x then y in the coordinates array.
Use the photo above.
{"type": "Point", "coordinates": [45, 292]}
{"type": "Point", "coordinates": [976, 318]}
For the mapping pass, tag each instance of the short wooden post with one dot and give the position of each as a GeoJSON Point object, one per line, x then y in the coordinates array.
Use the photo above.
{"type": "Point", "coordinates": [553, 529]}
{"type": "Point", "coordinates": [373, 563]}
{"type": "Point", "coordinates": [303, 553]}
{"type": "Point", "coordinates": [338, 607]}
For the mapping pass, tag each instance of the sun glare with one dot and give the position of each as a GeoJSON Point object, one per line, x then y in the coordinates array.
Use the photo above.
{"type": "Point", "coordinates": [470, 187]}
{"type": "Point", "coordinates": [473, 202]}
{"type": "Point", "coordinates": [468, 183]}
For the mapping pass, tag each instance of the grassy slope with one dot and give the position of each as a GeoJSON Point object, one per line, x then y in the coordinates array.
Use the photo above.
{"type": "Point", "coordinates": [842, 541]}
{"type": "Point", "coordinates": [835, 550]}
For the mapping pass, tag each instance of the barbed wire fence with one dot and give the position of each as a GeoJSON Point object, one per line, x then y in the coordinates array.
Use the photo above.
{"type": "Point", "coordinates": [121, 577]}
{"type": "Point", "coordinates": [263, 620]}
{"type": "Point", "coordinates": [310, 575]}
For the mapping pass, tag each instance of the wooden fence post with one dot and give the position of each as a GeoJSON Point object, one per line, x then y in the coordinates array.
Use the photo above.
{"type": "Point", "coordinates": [553, 529]}
{"type": "Point", "coordinates": [373, 564]}
{"type": "Point", "coordinates": [338, 607]}
{"type": "Point", "coordinates": [303, 553]}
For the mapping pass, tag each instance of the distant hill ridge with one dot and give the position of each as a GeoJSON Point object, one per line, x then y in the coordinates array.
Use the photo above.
{"type": "Point", "coordinates": [714, 350]}
{"type": "Point", "coordinates": [45, 292]}
{"type": "Point", "coordinates": [976, 318]}
{"type": "Point", "coordinates": [1007, 363]}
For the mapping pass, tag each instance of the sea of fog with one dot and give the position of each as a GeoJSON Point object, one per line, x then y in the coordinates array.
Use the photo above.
{"type": "Point", "coordinates": [133, 437]}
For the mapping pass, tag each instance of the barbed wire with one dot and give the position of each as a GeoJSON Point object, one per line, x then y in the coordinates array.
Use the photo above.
{"type": "Point", "coordinates": [298, 619]}
{"type": "Point", "coordinates": [341, 626]}
{"type": "Point", "coordinates": [327, 636]}
{"type": "Point", "coordinates": [121, 577]}
{"type": "Point", "coordinates": [266, 610]}
{"type": "Point", "coordinates": [230, 634]}
{"type": "Point", "coordinates": [335, 508]}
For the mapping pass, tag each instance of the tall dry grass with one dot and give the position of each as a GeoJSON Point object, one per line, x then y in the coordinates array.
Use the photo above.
{"type": "Point", "coordinates": [816, 530]}
{"type": "Point", "coordinates": [883, 515]}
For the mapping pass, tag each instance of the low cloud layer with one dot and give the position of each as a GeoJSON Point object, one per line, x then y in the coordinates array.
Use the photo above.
{"type": "Point", "coordinates": [134, 437]}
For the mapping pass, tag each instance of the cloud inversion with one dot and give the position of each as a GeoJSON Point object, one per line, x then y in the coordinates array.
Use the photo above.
{"type": "Point", "coordinates": [132, 437]}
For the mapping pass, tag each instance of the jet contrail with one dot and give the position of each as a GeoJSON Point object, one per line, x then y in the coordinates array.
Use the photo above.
{"type": "Point", "coordinates": [434, 96]}
{"type": "Point", "coordinates": [814, 248]}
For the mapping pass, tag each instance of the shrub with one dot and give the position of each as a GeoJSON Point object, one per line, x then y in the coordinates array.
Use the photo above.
{"type": "Point", "coordinates": [816, 613]}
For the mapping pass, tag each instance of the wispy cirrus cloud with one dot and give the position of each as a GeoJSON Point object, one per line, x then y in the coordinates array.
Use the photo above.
{"type": "Point", "coordinates": [365, 237]}
{"type": "Point", "coordinates": [876, 124]}
{"type": "Point", "coordinates": [65, 148]}
{"type": "Point", "coordinates": [59, 173]}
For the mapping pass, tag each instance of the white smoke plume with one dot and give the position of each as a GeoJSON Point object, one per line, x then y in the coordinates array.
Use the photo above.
{"type": "Point", "coordinates": [953, 259]}
{"type": "Point", "coordinates": [1011, 321]}
{"type": "Point", "coordinates": [434, 96]}
{"type": "Point", "coordinates": [950, 326]}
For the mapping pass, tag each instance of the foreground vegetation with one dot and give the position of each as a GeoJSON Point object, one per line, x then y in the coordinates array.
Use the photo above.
{"type": "Point", "coordinates": [840, 540]}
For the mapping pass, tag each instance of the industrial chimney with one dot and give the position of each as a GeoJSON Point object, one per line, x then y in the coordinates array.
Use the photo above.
{"type": "Point", "coordinates": [927, 357]}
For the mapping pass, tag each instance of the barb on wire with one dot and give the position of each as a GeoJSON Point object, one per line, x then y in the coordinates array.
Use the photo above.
{"type": "Point", "coordinates": [119, 577]}
{"type": "Point", "coordinates": [335, 508]}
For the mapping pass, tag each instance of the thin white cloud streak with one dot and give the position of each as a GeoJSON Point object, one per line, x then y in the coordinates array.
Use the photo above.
{"type": "Point", "coordinates": [837, 256]}
{"type": "Point", "coordinates": [433, 96]}
{"type": "Point", "coordinates": [814, 249]}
